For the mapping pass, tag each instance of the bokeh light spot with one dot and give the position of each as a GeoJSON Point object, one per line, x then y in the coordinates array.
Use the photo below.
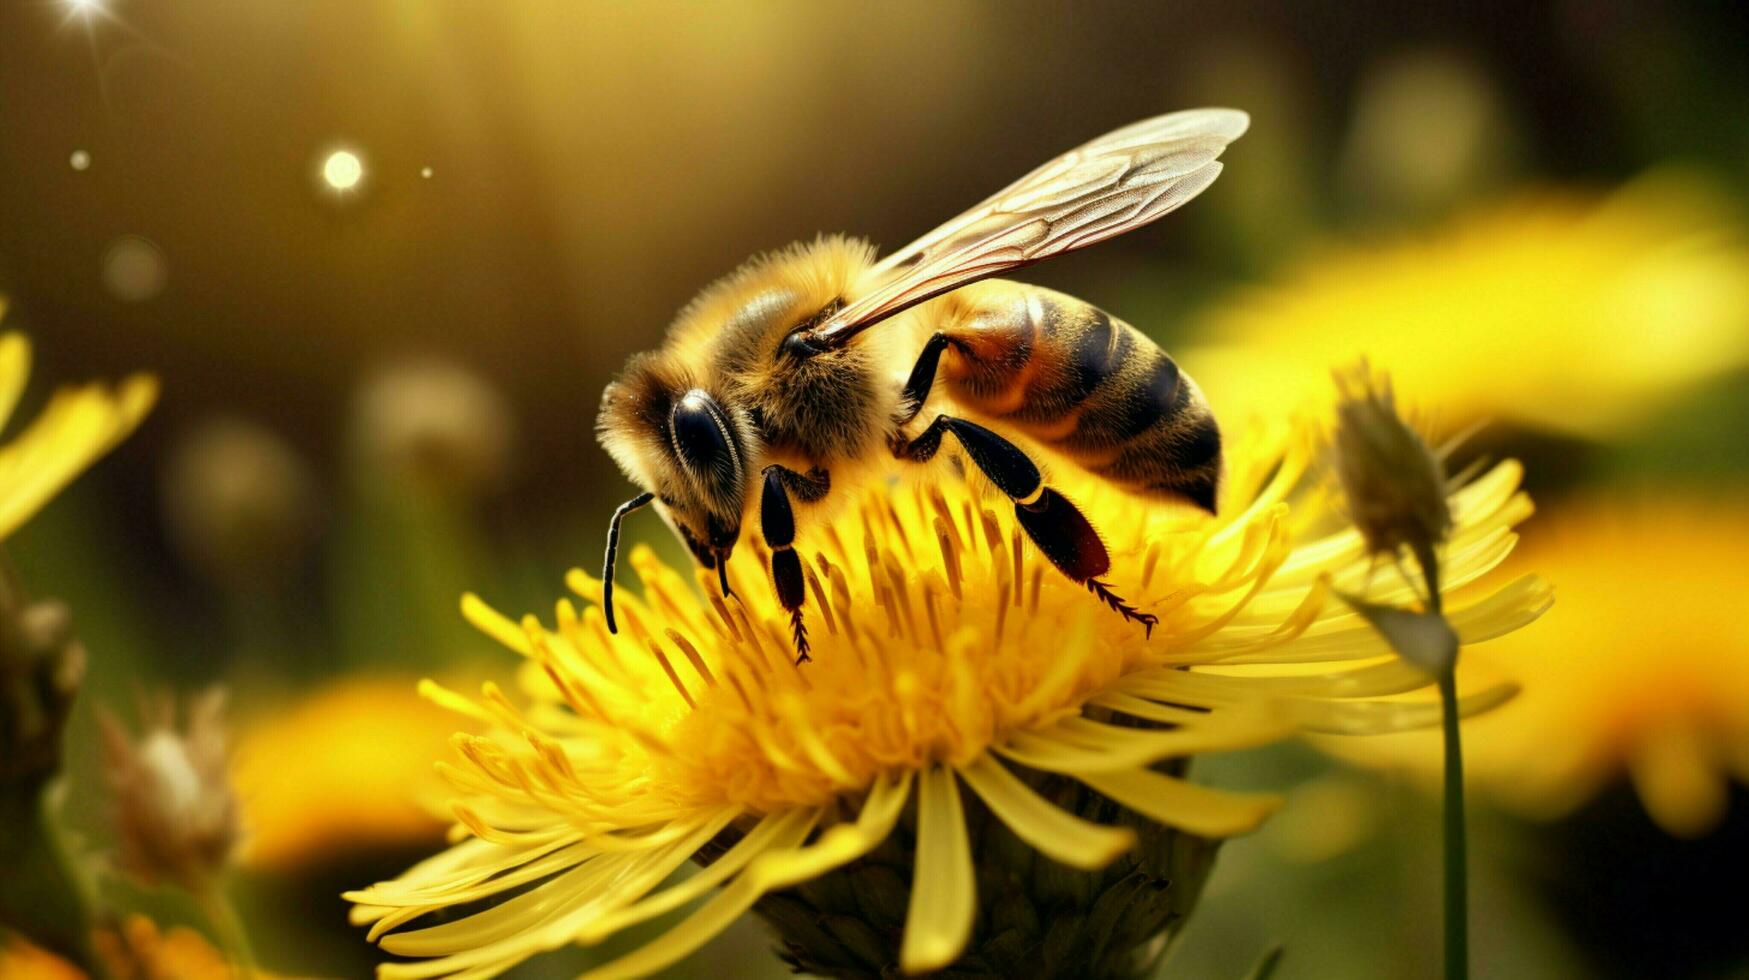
{"type": "Point", "coordinates": [134, 269]}
{"type": "Point", "coordinates": [425, 172]}
{"type": "Point", "coordinates": [343, 170]}
{"type": "Point", "coordinates": [80, 160]}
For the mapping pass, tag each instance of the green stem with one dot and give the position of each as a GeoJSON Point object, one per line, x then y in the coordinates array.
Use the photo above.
{"type": "Point", "coordinates": [54, 903]}
{"type": "Point", "coordinates": [1457, 906]}
{"type": "Point", "coordinates": [228, 926]}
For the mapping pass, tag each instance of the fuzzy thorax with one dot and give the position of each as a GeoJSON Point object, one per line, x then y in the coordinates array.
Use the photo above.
{"type": "Point", "coordinates": [803, 412]}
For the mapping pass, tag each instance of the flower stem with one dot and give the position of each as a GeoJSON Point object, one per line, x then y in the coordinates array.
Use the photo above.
{"type": "Point", "coordinates": [233, 938]}
{"type": "Point", "coordinates": [1457, 910]}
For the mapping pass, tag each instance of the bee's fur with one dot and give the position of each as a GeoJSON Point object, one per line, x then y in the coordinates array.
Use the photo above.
{"type": "Point", "coordinates": [833, 410]}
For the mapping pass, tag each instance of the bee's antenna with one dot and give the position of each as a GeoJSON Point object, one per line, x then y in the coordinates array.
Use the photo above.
{"type": "Point", "coordinates": [613, 552]}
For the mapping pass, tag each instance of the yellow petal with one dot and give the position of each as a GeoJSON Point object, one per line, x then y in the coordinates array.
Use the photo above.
{"type": "Point", "coordinates": [1052, 831]}
{"type": "Point", "coordinates": [1383, 717]}
{"type": "Point", "coordinates": [778, 830]}
{"type": "Point", "coordinates": [773, 870]}
{"type": "Point", "coordinates": [1682, 788]}
{"type": "Point", "coordinates": [76, 427]}
{"type": "Point", "coordinates": [1078, 745]}
{"type": "Point", "coordinates": [14, 370]}
{"type": "Point", "coordinates": [1183, 804]}
{"type": "Point", "coordinates": [943, 887]}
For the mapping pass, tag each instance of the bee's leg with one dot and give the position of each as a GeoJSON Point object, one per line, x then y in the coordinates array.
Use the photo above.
{"type": "Point", "coordinates": [922, 377]}
{"type": "Point", "coordinates": [1057, 526]}
{"type": "Point", "coordinates": [777, 522]}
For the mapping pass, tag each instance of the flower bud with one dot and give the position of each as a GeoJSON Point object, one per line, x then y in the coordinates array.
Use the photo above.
{"type": "Point", "coordinates": [1394, 484]}
{"type": "Point", "coordinates": [175, 815]}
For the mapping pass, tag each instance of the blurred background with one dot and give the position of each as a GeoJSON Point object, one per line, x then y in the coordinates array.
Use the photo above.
{"type": "Point", "coordinates": [385, 254]}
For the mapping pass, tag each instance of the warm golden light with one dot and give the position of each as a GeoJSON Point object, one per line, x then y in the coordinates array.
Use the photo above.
{"type": "Point", "coordinates": [85, 8]}
{"type": "Point", "coordinates": [343, 170]}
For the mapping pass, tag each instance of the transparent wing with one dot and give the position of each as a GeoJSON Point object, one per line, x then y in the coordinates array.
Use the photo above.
{"type": "Point", "coordinates": [1114, 184]}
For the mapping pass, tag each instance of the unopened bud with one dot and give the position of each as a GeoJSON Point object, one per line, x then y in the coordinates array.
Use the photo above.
{"type": "Point", "coordinates": [1394, 483]}
{"type": "Point", "coordinates": [175, 814]}
{"type": "Point", "coordinates": [436, 424]}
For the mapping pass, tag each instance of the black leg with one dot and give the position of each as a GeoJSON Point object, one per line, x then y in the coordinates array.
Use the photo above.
{"type": "Point", "coordinates": [922, 378]}
{"type": "Point", "coordinates": [1056, 526]}
{"type": "Point", "coordinates": [777, 522]}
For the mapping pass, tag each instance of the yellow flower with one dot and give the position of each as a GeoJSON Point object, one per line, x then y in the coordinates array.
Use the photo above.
{"type": "Point", "coordinates": [1643, 668]}
{"type": "Point", "coordinates": [137, 950]}
{"type": "Point", "coordinates": [78, 425]}
{"type": "Point", "coordinates": [347, 767]}
{"type": "Point", "coordinates": [947, 654]}
{"type": "Point", "coordinates": [23, 960]}
{"type": "Point", "coordinates": [1556, 311]}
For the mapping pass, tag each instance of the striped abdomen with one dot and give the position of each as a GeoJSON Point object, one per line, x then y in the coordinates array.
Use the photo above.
{"type": "Point", "coordinates": [1084, 383]}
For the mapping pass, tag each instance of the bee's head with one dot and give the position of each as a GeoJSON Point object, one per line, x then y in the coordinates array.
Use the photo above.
{"type": "Point", "coordinates": [708, 454]}
{"type": "Point", "coordinates": [689, 448]}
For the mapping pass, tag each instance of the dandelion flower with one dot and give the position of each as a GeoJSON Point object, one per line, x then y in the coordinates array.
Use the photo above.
{"type": "Point", "coordinates": [348, 766]}
{"type": "Point", "coordinates": [1574, 315]}
{"type": "Point", "coordinates": [78, 425]}
{"type": "Point", "coordinates": [980, 765]}
{"type": "Point", "coordinates": [1610, 689]}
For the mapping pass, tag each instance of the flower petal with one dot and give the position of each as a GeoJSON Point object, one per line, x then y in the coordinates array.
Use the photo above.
{"type": "Point", "coordinates": [779, 830]}
{"type": "Point", "coordinates": [75, 427]}
{"type": "Point", "coordinates": [1183, 804]}
{"type": "Point", "coordinates": [1054, 832]}
{"type": "Point", "coordinates": [1679, 782]}
{"type": "Point", "coordinates": [943, 889]}
{"type": "Point", "coordinates": [14, 369]}
{"type": "Point", "coordinates": [772, 870]}
{"type": "Point", "coordinates": [1078, 745]}
{"type": "Point", "coordinates": [1383, 717]}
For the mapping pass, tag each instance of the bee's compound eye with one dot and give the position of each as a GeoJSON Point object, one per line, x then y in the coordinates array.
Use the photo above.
{"type": "Point", "coordinates": [702, 438]}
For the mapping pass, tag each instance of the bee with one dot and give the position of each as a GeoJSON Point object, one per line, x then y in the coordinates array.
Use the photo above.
{"type": "Point", "coordinates": [811, 368]}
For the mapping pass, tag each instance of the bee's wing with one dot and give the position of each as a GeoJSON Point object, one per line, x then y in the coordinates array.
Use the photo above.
{"type": "Point", "coordinates": [1116, 183]}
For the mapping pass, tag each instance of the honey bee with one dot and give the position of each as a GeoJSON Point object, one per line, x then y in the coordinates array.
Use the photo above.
{"type": "Point", "coordinates": [772, 384]}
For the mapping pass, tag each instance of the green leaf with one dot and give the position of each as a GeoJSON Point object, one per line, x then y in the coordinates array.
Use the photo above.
{"type": "Point", "coordinates": [1424, 639]}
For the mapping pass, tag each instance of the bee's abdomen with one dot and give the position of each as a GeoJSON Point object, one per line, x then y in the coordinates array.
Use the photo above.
{"type": "Point", "coordinates": [1086, 384]}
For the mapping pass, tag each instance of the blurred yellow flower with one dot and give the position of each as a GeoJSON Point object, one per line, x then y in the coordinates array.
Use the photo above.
{"type": "Point", "coordinates": [21, 959]}
{"type": "Point", "coordinates": [346, 768]}
{"type": "Point", "coordinates": [139, 950]}
{"type": "Point", "coordinates": [947, 653]}
{"type": "Point", "coordinates": [78, 425]}
{"type": "Point", "coordinates": [1642, 668]}
{"type": "Point", "coordinates": [1564, 313]}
